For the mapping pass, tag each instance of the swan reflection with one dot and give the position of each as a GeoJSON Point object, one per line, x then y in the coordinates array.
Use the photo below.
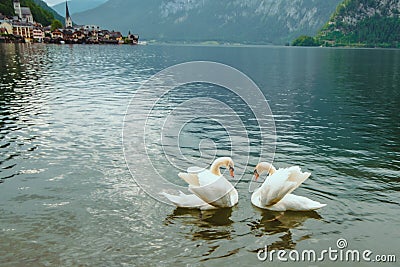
{"type": "Point", "coordinates": [208, 224]}
{"type": "Point", "coordinates": [275, 223]}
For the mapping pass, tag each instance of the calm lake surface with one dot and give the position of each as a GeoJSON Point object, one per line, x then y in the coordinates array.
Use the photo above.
{"type": "Point", "coordinates": [67, 197]}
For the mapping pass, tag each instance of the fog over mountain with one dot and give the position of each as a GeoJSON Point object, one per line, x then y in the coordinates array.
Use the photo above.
{"type": "Point", "coordinates": [244, 21]}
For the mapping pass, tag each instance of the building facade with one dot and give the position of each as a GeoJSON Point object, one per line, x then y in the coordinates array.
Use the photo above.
{"type": "Point", "coordinates": [17, 8]}
{"type": "Point", "coordinates": [23, 30]}
{"type": "Point", "coordinates": [23, 13]}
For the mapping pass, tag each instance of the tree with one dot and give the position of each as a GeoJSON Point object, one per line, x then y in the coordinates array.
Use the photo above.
{"type": "Point", "coordinates": [7, 8]}
{"type": "Point", "coordinates": [305, 41]}
{"type": "Point", "coordinates": [40, 15]}
{"type": "Point", "coordinates": [56, 24]}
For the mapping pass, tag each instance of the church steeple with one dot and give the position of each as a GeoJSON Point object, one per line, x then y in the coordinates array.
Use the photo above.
{"type": "Point", "coordinates": [68, 20]}
{"type": "Point", "coordinates": [17, 8]}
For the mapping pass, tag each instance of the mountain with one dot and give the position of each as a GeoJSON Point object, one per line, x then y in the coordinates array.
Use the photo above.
{"type": "Point", "coordinates": [77, 6]}
{"type": "Point", "coordinates": [44, 6]}
{"type": "Point", "coordinates": [241, 21]}
{"type": "Point", "coordinates": [363, 23]}
{"type": "Point", "coordinates": [40, 11]}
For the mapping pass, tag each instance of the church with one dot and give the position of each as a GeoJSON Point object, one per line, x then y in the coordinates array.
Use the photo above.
{"type": "Point", "coordinates": [24, 13]}
{"type": "Point", "coordinates": [68, 20]}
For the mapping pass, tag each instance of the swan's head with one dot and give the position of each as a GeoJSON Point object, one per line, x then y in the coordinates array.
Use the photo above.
{"type": "Point", "coordinates": [226, 162]}
{"type": "Point", "coordinates": [263, 167]}
{"type": "Point", "coordinates": [231, 168]}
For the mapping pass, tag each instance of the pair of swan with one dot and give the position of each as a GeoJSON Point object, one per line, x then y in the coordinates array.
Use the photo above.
{"type": "Point", "coordinates": [211, 190]}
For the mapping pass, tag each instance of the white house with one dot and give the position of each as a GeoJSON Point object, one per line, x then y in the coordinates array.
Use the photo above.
{"type": "Point", "coordinates": [27, 14]}
{"type": "Point", "coordinates": [38, 34]}
{"type": "Point", "coordinates": [24, 13]}
{"type": "Point", "coordinates": [23, 30]}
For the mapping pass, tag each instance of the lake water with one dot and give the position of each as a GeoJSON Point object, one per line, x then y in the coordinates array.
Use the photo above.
{"type": "Point", "coordinates": [67, 197]}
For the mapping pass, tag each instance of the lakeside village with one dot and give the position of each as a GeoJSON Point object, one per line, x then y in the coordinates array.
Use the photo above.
{"type": "Point", "coordinates": [22, 28]}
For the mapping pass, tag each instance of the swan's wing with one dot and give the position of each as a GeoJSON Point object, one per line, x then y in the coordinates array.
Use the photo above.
{"type": "Point", "coordinates": [215, 190]}
{"type": "Point", "coordinates": [296, 203]}
{"type": "Point", "coordinates": [297, 176]}
{"type": "Point", "coordinates": [195, 169]}
{"type": "Point", "coordinates": [187, 201]}
{"type": "Point", "coordinates": [189, 178]}
{"type": "Point", "coordinates": [206, 178]}
{"type": "Point", "coordinates": [275, 187]}
{"type": "Point", "coordinates": [272, 195]}
{"type": "Point", "coordinates": [282, 182]}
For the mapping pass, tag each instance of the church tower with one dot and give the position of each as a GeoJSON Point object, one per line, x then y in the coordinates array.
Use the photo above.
{"type": "Point", "coordinates": [68, 20]}
{"type": "Point", "coordinates": [17, 8]}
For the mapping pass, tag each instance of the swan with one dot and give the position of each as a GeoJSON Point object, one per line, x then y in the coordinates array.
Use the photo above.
{"type": "Point", "coordinates": [209, 188]}
{"type": "Point", "coordinates": [275, 193]}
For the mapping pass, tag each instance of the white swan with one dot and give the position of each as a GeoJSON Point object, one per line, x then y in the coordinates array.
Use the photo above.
{"type": "Point", "coordinates": [275, 193]}
{"type": "Point", "coordinates": [210, 189]}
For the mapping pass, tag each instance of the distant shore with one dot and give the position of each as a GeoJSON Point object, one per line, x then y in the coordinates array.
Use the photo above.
{"type": "Point", "coordinates": [210, 44]}
{"type": "Point", "coordinates": [47, 40]}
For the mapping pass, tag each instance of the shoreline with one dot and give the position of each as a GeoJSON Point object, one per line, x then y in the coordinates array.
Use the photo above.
{"type": "Point", "coordinates": [201, 44]}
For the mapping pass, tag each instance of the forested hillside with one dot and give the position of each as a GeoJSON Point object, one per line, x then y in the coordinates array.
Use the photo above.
{"type": "Point", "coordinates": [6, 7]}
{"type": "Point", "coordinates": [363, 23]}
{"type": "Point", "coordinates": [39, 13]}
{"type": "Point", "coordinates": [44, 6]}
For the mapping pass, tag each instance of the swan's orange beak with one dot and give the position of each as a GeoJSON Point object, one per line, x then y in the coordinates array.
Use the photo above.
{"type": "Point", "coordinates": [232, 171]}
{"type": "Point", "coordinates": [256, 175]}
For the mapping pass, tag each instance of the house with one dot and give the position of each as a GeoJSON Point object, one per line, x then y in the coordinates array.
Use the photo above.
{"type": "Point", "coordinates": [133, 38]}
{"type": "Point", "coordinates": [117, 36]}
{"type": "Point", "coordinates": [68, 35]}
{"type": "Point", "coordinates": [92, 37]}
{"type": "Point", "coordinates": [91, 28]}
{"type": "Point", "coordinates": [23, 29]}
{"type": "Point", "coordinates": [27, 14]}
{"type": "Point", "coordinates": [47, 31]}
{"type": "Point", "coordinates": [7, 27]}
{"type": "Point", "coordinates": [57, 34]}
{"type": "Point", "coordinates": [78, 36]}
{"type": "Point", "coordinates": [104, 34]}
{"type": "Point", "coordinates": [38, 34]}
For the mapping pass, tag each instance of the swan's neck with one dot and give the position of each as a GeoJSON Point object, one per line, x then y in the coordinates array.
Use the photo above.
{"type": "Point", "coordinates": [218, 164]}
{"type": "Point", "coordinates": [266, 167]}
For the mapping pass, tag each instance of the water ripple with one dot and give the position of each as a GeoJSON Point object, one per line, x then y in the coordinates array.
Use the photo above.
{"type": "Point", "coordinates": [64, 183]}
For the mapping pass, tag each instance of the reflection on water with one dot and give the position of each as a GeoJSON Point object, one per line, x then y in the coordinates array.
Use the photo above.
{"type": "Point", "coordinates": [272, 223]}
{"type": "Point", "coordinates": [21, 104]}
{"type": "Point", "coordinates": [210, 224]}
{"type": "Point", "coordinates": [67, 198]}
{"type": "Point", "coordinates": [217, 217]}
